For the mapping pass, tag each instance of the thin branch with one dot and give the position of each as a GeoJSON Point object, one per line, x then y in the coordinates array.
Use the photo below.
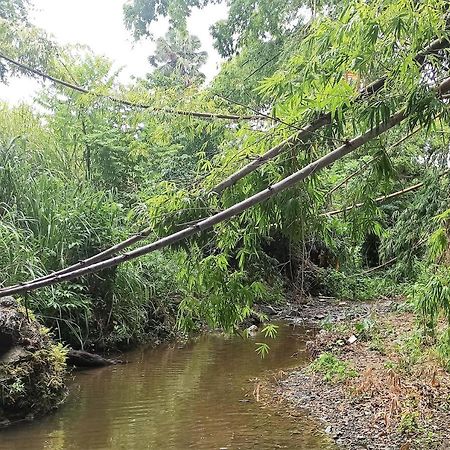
{"type": "Point", "coordinates": [392, 260]}
{"type": "Point", "coordinates": [380, 199]}
{"type": "Point", "coordinates": [277, 119]}
{"type": "Point", "coordinates": [82, 90]}
{"type": "Point", "coordinates": [368, 163]}
{"type": "Point", "coordinates": [349, 177]}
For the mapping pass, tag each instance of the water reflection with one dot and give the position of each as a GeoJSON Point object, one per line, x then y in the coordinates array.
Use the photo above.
{"type": "Point", "coordinates": [175, 398]}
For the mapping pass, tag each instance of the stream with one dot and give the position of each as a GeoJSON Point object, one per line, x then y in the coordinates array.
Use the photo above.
{"type": "Point", "coordinates": [177, 396]}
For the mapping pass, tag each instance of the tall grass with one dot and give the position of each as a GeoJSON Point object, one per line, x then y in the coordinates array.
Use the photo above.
{"type": "Point", "coordinates": [52, 217]}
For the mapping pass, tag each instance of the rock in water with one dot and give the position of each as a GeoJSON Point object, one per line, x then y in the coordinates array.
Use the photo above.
{"type": "Point", "coordinates": [251, 331]}
{"type": "Point", "coordinates": [32, 366]}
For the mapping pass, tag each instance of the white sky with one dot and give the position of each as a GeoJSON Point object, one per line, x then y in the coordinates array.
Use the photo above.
{"type": "Point", "coordinates": [99, 24]}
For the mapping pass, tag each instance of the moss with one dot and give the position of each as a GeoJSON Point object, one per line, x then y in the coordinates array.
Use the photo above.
{"type": "Point", "coordinates": [32, 367]}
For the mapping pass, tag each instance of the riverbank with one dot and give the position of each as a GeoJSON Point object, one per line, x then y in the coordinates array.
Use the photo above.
{"type": "Point", "coordinates": [196, 394]}
{"type": "Point", "coordinates": [32, 366]}
{"type": "Point", "coordinates": [370, 381]}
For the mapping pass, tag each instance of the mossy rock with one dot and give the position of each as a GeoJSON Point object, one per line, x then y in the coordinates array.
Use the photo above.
{"type": "Point", "coordinates": [32, 366]}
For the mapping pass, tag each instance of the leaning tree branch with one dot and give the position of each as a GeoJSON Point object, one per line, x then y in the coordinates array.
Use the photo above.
{"type": "Point", "coordinates": [380, 199]}
{"type": "Point", "coordinates": [82, 90]}
{"type": "Point", "coordinates": [323, 120]}
{"type": "Point", "coordinates": [392, 260]}
{"type": "Point", "coordinates": [368, 163]}
{"type": "Point", "coordinates": [228, 213]}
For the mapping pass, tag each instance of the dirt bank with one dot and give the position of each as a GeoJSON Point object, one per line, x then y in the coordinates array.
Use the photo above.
{"type": "Point", "coordinates": [32, 367]}
{"type": "Point", "coordinates": [371, 381]}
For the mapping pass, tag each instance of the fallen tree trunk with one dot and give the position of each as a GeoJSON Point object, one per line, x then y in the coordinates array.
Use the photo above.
{"type": "Point", "coordinates": [233, 211]}
{"type": "Point", "coordinates": [80, 358]}
{"type": "Point", "coordinates": [321, 121]}
{"type": "Point", "coordinates": [324, 119]}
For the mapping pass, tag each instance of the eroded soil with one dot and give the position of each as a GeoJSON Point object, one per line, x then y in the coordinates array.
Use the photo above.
{"type": "Point", "coordinates": [398, 396]}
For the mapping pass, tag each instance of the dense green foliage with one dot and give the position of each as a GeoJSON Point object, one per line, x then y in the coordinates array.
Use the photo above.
{"type": "Point", "coordinates": [82, 172]}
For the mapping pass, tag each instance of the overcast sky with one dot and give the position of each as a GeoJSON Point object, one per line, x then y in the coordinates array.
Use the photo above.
{"type": "Point", "coordinates": [99, 24]}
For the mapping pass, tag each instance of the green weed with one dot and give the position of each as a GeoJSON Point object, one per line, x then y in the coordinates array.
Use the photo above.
{"type": "Point", "coordinates": [332, 368]}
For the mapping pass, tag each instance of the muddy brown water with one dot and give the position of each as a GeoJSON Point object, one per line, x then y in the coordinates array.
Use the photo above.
{"type": "Point", "coordinates": [192, 396]}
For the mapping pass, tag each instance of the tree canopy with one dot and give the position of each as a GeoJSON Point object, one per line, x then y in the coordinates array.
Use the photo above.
{"type": "Point", "coordinates": [177, 60]}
